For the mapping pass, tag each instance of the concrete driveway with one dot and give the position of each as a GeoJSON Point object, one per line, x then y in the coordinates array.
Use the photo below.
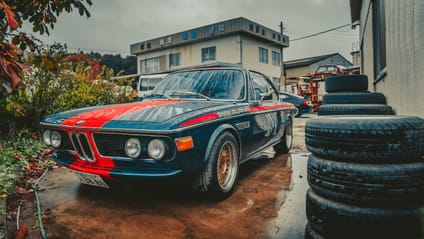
{"type": "Point", "coordinates": [269, 202]}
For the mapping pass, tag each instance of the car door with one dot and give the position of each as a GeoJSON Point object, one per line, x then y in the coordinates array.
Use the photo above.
{"type": "Point", "coordinates": [266, 119]}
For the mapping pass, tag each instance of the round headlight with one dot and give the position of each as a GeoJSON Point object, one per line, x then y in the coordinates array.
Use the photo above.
{"type": "Point", "coordinates": [46, 137]}
{"type": "Point", "coordinates": [133, 148]}
{"type": "Point", "coordinates": [156, 149]}
{"type": "Point", "coordinates": [55, 139]}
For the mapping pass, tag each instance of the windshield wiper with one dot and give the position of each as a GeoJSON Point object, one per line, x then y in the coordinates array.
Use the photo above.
{"type": "Point", "coordinates": [189, 93]}
{"type": "Point", "coordinates": [158, 95]}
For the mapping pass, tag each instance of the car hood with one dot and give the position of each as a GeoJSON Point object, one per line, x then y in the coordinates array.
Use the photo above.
{"type": "Point", "coordinates": [149, 115]}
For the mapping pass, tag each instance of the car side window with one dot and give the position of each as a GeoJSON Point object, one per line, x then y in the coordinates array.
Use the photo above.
{"type": "Point", "coordinates": [262, 88]}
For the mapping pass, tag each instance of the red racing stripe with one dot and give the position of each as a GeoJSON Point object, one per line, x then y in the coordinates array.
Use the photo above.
{"type": "Point", "coordinates": [269, 107]}
{"type": "Point", "coordinates": [200, 119]}
{"type": "Point", "coordinates": [99, 117]}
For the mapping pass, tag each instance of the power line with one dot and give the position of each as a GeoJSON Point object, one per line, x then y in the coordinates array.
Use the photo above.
{"type": "Point", "coordinates": [319, 33]}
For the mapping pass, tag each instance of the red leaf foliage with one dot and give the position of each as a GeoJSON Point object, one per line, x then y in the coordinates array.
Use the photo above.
{"type": "Point", "coordinates": [10, 15]}
{"type": "Point", "coordinates": [21, 233]}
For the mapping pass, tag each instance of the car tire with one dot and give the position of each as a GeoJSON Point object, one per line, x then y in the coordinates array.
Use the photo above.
{"type": "Point", "coordinates": [310, 233]}
{"type": "Point", "coordinates": [339, 220]}
{"type": "Point", "coordinates": [354, 98]}
{"type": "Point", "coordinates": [219, 177]}
{"type": "Point", "coordinates": [346, 83]}
{"type": "Point", "coordinates": [370, 139]}
{"type": "Point", "coordinates": [355, 109]}
{"type": "Point", "coordinates": [286, 142]}
{"type": "Point", "coordinates": [377, 185]}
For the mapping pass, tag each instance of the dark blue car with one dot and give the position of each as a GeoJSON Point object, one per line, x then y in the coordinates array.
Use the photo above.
{"type": "Point", "coordinates": [201, 122]}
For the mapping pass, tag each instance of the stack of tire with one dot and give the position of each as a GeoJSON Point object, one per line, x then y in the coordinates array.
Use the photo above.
{"type": "Point", "coordinates": [366, 171]}
{"type": "Point", "coordinates": [349, 95]}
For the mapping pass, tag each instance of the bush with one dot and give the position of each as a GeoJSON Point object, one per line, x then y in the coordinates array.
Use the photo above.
{"type": "Point", "coordinates": [56, 81]}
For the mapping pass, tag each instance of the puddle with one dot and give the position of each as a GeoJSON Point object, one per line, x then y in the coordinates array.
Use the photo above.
{"type": "Point", "coordinates": [291, 220]}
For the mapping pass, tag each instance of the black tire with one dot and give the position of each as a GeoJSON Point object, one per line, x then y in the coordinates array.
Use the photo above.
{"type": "Point", "coordinates": [377, 185]}
{"type": "Point", "coordinates": [310, 233]}
{"type": "Point", "coordinates": [210, 181]}
{"type": "Point", "coordinates": [356, 109]}
{"type": "Point", "coordinates": [286, 142]}
{"type": "Point", "coordinates": [371, 139]}
{"type": "Point", "coordinates": [339, 220]}
{"type": "Point", "coordinates": [354, 98]}
{"type": "Point", "coordinates": [346, 83]}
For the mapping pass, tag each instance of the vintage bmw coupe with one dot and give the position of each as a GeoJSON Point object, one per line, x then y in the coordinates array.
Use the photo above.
{"type": "Point", "coordinates": [202, 122]}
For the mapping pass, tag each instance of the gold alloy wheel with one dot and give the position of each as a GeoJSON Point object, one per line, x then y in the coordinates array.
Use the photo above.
{"type": "Point", "coordinates": [227, 165]}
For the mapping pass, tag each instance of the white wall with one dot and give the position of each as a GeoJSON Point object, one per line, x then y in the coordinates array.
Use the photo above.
{"type": "Point", "coordinates": [251, 57]}
{"type": "Point", "coordinates": [404, 84]}
{"type": "Point", "coordinates": [227, 50]}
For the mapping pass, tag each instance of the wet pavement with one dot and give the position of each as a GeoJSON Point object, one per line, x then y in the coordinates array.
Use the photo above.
{"type": "Point", "coordinates": [291, 220]}
{"type": "Point", "coordinates": [269, 202]}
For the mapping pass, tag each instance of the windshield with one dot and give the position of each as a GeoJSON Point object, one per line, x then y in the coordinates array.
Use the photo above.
{"type": "Point", "coordinates": [206, 84]}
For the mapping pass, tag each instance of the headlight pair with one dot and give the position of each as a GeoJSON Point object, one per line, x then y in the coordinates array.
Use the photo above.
{"type": "Point", "coordinates": [52, 138]}
{"type": "Point", "coordinates": [156, 148]}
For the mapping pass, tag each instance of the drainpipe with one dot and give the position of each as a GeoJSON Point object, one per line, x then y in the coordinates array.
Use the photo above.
{"type": "Point", "coordinates": [282, 78]}
{"type": "Point", "coordinates": [241, 50]}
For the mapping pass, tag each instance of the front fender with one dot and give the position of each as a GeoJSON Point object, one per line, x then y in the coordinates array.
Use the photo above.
{"type": "Point", "coordinates": [214, 136]}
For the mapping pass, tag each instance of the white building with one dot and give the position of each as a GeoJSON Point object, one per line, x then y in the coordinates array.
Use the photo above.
{"type": "Point", "coordinates": [392, 50]}
{"type": "Point", "coordinates": [238, 40]}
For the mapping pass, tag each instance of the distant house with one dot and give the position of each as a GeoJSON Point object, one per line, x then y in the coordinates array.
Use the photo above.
{"type": "Point", "coordinates": [238, 40]}
{"type": "Point", "coordinates": [392, 50]}
{"type": "Point", "coordinates": [296, 68]}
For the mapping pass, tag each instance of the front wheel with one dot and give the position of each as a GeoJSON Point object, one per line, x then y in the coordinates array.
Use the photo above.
{"type": "Point", "coordinates": [286, 142]}
{"type": "Point", "coordinates": [219, 177]}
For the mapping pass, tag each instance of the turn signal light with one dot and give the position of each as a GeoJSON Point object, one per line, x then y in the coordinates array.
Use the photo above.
{"type": "Point", "coordinates": [184, 144]}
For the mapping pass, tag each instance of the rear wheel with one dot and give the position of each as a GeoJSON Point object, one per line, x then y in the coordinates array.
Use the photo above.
{"type": "Point", "coordinates": [286, 142]}
{"type": "Point", "coordinates": [219, 177]}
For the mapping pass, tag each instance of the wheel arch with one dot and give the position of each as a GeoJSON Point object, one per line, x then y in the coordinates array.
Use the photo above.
{"type": "Point", "coordinates": [216, 133]}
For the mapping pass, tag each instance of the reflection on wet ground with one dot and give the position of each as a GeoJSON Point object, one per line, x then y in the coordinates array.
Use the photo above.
{"type": "Point", "coordinates": [291, 220]}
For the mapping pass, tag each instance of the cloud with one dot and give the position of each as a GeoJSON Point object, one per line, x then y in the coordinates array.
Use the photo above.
{"type": "Point", "coordinates": [114, 25]}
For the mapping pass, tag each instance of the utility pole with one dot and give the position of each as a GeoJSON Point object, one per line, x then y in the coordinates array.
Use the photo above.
{"type": "Point", "coordinates": [282, 78]}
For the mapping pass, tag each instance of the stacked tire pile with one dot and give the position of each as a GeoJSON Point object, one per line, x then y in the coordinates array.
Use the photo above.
{"type": "Point", "coordinates": [366, 172]}
{"type": "Point", "coordinates": [349, 95]}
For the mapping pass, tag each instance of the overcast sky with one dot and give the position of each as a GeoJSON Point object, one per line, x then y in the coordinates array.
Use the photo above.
{"type": "Point", "coordinates": [114, 25]}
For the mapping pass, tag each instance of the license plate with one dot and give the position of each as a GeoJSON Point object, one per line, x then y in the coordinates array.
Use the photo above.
{"type": "Point", "coordinates": [91, 179]}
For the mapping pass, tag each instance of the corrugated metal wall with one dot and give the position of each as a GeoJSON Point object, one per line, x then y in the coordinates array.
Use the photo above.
{"type": "Point", "coordinates": [404, 83]}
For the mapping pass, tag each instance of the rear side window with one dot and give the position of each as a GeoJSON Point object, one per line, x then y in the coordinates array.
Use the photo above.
{"type": "Point", "coordinates": [262, 87]}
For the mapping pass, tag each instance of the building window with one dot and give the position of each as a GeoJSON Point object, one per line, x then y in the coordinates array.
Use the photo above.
{"type": "Point", "coordinates": [251, 27]}
{"type": "Point", "coordinates": [162, 42]}
{"type": "Point", "coordinates": [279, 37]}
{"type": "Point", "coordinates": [151, 65]}
{"type": "Point", "coordinates": [211, 29]}
{"type": "Point", "coordinates": [169, 40]}
{"type": "Point", "coordinates": [263, 55]}
{"type": "Point", "coordinates": [263, 32]}
{"type": "Point", "coordinates": [193, 35]}
{"type": "Point", "coordinates": [142, 47]}
{"type": "Point", "coordinates": [221, 27]}
{"type": "Point", "coordinates": [276, 58]}
{"type": "Point", "coordinates": [208, 54]}
{"type": "Point", "coordinates": [149, 45]}
{"type": "Point", "coordinates": [379, 37]}
{"type": "Point", "coordinates": [257, 29]}
{"type": "Point", "coordinates": [273, 36]}
{"type": "Point", "coordinates": [184, 36]}
{"type": "Point", "coordinates": [174, 59]}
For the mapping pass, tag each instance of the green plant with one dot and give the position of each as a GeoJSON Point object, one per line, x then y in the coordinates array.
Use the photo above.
{"type": "Point", "coordinates": [15, 158]}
